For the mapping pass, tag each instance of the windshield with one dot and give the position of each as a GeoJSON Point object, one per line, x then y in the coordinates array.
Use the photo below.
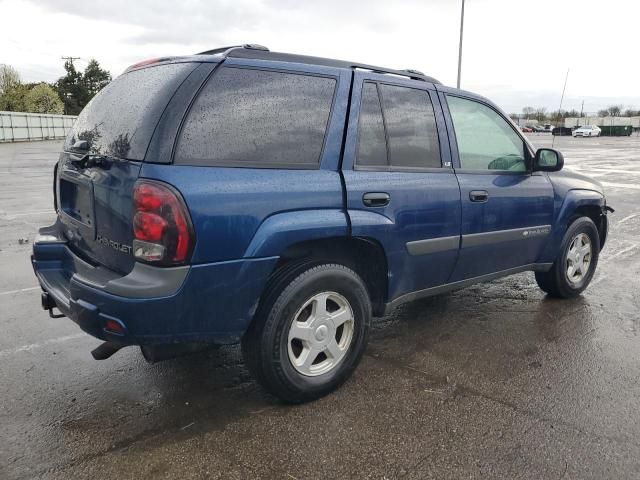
{"type": "Point", "coordinates": [120, 120]}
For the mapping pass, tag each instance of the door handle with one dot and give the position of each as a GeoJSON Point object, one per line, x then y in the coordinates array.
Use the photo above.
{"type": "Point", "coordinates": [478, 195]}
{"type": "Point", "coordinates": [376, 199]}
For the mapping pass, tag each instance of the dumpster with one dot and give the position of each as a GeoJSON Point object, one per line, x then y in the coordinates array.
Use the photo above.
{"type": "Point", "coordinates": [616, 130]}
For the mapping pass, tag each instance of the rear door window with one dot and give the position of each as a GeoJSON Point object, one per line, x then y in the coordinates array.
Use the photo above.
{"type": "Point", "coordinates": [257, 118]}
{"type": "Point", "coordinates": [405, 119]}
{"type": "Point", "coordinates": [411, 127]}
{"type": "Point", "coordinates": [120, 120]}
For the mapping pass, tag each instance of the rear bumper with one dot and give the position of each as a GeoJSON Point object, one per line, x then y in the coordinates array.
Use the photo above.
{"type": "Point", "coordinates": [212, 302]}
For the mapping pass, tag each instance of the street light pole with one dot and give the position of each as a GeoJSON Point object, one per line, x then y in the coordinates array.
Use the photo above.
{"type": "Point", "coordinates": [460, 46]}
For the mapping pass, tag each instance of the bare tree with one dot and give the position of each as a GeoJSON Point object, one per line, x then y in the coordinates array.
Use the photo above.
{"type": "Point", "coordinates": [615, 110]}
{"type": "Point", "coordinates": [9, 78]}
{"type": "Point", "coordinates": [528, 111]}
{"type": "Point", "coordinates": [541, 114]}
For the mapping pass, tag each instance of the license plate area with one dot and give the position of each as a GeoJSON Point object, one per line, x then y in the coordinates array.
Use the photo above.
{"type": "Point", "coordinates": [76, 200]}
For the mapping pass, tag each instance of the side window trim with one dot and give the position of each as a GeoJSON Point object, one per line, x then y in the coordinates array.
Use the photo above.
{"type": "Point", "coordinates": [398, 168]}
{"type": "Point", "coordinates": [357, 166]}
{"type": "Point", "coordinates": [453, 140]}
{"type": "Point", "coordinates": [384, 124]}
{"type": "Point", "coordinates": [257, 165]}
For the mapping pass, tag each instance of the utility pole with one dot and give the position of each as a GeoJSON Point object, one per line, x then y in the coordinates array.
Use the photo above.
{"type": "Point", "coordinates": [560, 107]}
{"type": "Point", "coordinates": [460, 46]}
{"type": "Point", "coordinates": [67, 94]}
{"type": "Point", "coordinates": [70, 59]}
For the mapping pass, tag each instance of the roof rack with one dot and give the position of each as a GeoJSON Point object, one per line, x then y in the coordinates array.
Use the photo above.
{"type": "Point", "coordinates": [227, 50]}
{"type": "Point", "coordinates": [251, 50]}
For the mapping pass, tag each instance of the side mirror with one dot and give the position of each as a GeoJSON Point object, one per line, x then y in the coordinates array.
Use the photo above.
{"type": "Point", "coordinates": [548, 160]}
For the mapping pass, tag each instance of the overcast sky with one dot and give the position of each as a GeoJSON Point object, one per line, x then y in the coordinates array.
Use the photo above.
{"type": "Point", "coordinates": [516, 52]}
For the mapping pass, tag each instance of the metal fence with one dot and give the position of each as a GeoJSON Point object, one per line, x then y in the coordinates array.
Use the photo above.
{"type": "Point", "coordinates": [21, 126]}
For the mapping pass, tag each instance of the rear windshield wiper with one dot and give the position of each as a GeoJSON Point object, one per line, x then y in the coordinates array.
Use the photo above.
{"type": "Point", "coordinates": [80, 155]}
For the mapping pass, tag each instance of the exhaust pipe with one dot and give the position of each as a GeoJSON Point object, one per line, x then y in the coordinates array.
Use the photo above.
{"type": "Point", "coordinates": [157, 353]}
{"type": "Point", "coordinates": [105, 350]}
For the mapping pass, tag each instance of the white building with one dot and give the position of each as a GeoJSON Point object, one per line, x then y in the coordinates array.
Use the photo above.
{"type": "Point", "coordinates": [571, 122]}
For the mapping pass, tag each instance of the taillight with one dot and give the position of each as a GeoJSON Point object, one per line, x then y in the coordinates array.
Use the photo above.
{"type": "Point", "coordinates": [161, 225]}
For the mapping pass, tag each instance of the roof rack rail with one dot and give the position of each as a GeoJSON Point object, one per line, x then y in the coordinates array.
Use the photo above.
{"type": "Point", "coordinates": [224, 50]}
{"type": "Point", "coordinates": [413, 74]}
{"type": "Point", "coordinates": [252, 50]}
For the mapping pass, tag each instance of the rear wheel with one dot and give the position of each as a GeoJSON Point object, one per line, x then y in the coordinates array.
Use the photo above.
{"type": "Point", "coordinates": [310, 331]}
{"type": "Point", "coordinates": [576, 263]}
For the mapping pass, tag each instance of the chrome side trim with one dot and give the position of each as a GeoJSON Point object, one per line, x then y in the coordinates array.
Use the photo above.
{"type": "Point", "coordinates": [433, 245]}
{"type": "Point", "coordinates": [428, 292]}
{"type": "Point", "coordinates": [499, 236]}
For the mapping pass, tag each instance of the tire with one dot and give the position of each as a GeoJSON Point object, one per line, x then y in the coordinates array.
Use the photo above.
{"type": "Point", "coordinates": [558, 281]}
{"type": "Point", "coordinates": [272, 350]}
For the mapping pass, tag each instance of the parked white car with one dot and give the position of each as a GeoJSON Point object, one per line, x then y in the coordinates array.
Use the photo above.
{"type": "Point", "coordinates": [587, 131]}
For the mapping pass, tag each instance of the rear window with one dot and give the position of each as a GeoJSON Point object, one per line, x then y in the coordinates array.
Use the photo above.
{"type": "Point", "coordinates": [257, 118]}
{"type": "Point", "coordinates": [120, 120]}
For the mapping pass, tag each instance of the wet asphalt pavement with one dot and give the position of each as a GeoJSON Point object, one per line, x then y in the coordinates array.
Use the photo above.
{"type": "Point", "coordinates": [493, 381]}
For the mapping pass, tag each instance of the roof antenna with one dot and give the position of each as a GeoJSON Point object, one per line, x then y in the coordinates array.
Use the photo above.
{"type": "Point", "coordinates": [553, 140]}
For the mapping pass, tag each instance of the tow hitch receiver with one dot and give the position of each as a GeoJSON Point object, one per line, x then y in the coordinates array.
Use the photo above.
{"type": "Point", "coordinates": [48, 304]}
{"type": "Point", "coordinates": [105, 350]}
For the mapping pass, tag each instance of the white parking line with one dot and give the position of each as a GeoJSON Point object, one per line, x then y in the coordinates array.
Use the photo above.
{"type": "Point", "coordinates": [10, 292]}
{"type": "Point", "coordinates": [26, 214]}
{"type": "Point", "coordinates": [621, 185]}
{"type": "Point", "coordinates": [623, 251]}
{"type": "Point", "coordinates": [628, 217]}
{"type": "Point", "coordinates": [33, 346]}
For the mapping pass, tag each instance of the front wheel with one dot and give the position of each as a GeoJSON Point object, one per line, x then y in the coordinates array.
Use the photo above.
{"type": "Point", "coordinates": [576, 263]}
{"type": "Point", "coordinates": [309, 333]}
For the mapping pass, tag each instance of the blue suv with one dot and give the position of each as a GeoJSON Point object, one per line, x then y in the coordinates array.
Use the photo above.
{"type": "Point", "coordinates": [280, 201]}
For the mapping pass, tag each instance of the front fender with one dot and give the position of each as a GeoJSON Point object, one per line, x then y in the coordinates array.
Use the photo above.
{"type": "Point", "coordinates": [573, 200]}
{"type": "Point", "coordinates": [279, 231]}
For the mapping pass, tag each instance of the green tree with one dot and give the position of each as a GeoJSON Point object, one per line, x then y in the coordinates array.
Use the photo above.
{"type": "Point", "coordinates": [72, 90]}
{"type": "Point", "coordinates": [76, 88]}
{"type": "Point", "coordinates": [13, 99]}
{"type": "Point", "coordinates": [43, 99]}
{"type": "Point", "coordinates": [95, 78]}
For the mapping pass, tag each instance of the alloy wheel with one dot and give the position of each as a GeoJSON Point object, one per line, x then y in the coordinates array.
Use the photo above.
{"type": "Point", "coordinates": [578, 258]}
{"type": "Point", "coordinates": [320, 334]}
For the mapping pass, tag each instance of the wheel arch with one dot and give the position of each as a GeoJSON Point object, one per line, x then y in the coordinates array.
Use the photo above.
{"type": "Point", "coordinates": [364, 255]}
{"type": "Point", "coordinates": [577, 203]}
